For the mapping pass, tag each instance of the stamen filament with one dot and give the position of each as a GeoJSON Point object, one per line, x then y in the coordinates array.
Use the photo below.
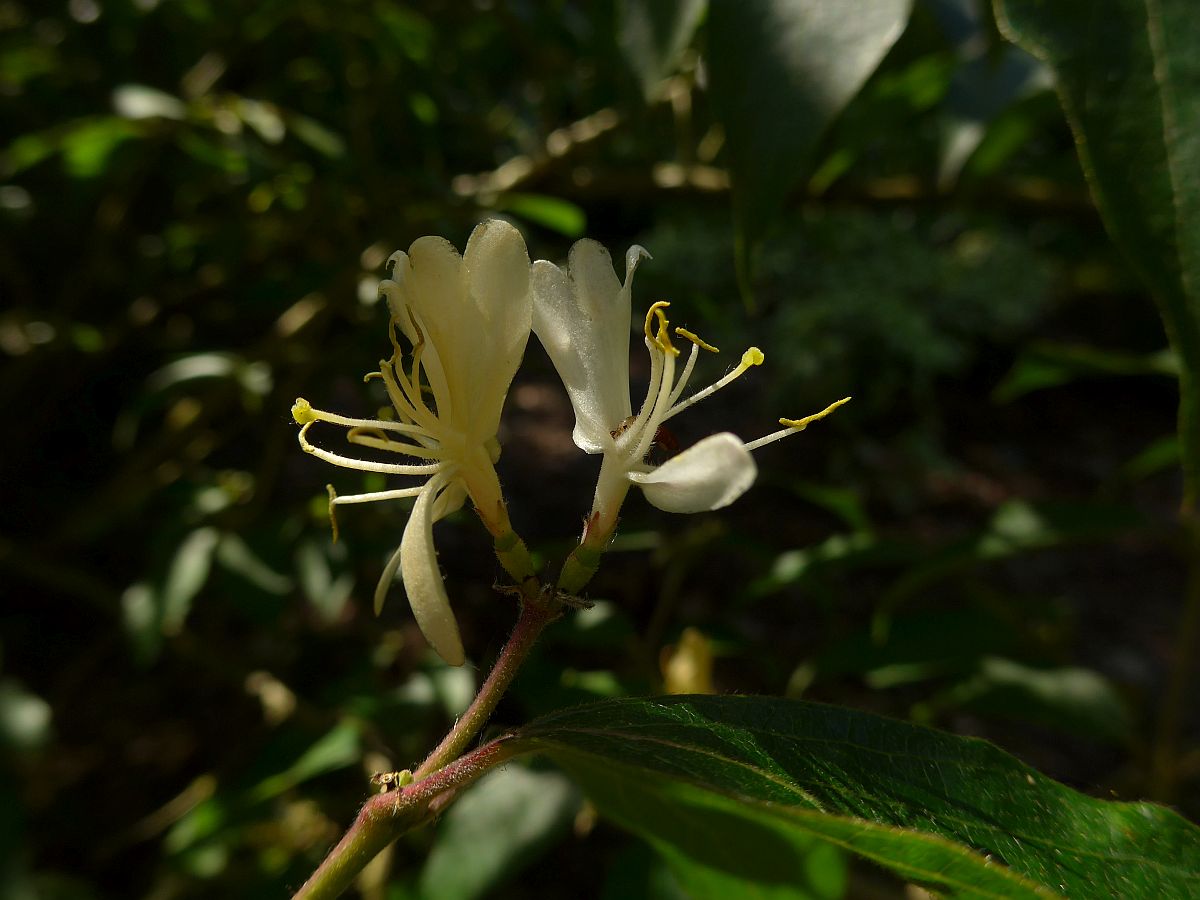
{"type": "Point", "coordinates": [684, 376]}
{"type": "Point", "coordinates": [801, 424]}
{"type": "Point", "coordinates": [794, 426]}
{"type": "Point", "coordinates": [696, 339]}
{"type": "Point", "coordinates": [365, 440]}
{"type": "Point", "coordinates": [371, 497]}
{"type": "Point", "coordinates": [752, 357]}
{"type": "Point", "coordinates": [652, 392]}
{"type": "Point", "coordinates": [659, 410]}
{"type": "Point", "coordinates": [662, 336]}
{"type": "Point", "coordinates": [402, 402]}
{"type": "Point", "coordinates": [303, 412]}
{"type": "Point", "coordinates": [362, 465]}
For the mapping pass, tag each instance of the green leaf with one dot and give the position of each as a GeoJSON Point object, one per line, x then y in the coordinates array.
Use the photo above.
{"type": "Point", "coordinates": [746, 785]}
{"type": "Point", "coordinates": [558, 215]}
{"type": "Point", "coordinates": [780, 71]}
{"type": "Point", "coordinates": [653, 34]}
{"type": "Point", "coordinates": [504, 822]}
{"type": "Point", "coordinates": [188, 573]}
{"type": "Point", "coordinates": [336, 749]}
{"type": "Point", "coordinates": [1016, 527]}
{"type": "Point", "coordinates": [1129, 80]}
{"type": "Point", "coordinates": [1048, 364]}
{"type": "Point", "coordinates": [1066, 699]}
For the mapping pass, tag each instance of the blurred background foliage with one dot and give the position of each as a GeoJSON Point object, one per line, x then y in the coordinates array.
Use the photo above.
{"type": "Point", "coordinates": [197, 199]}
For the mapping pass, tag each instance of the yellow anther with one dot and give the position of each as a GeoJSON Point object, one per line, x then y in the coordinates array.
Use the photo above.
{"type": "Point", "coordinates": [752, 357]}
{"type": "Point", "coordinates": [303, 412]}
{"type": "Point", "coordinates": [661, 338]}
{"type": "Point", "coordinates": [696, 339]}
{"type": "Point", "coordinates": [801, 424]}
{"type": "Point", "coordinates": [332, 506]}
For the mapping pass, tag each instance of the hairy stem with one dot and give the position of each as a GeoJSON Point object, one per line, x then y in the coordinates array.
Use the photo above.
{"type": "Point", "coordinates": [385, 817]}
{"type": "Point", "coordinates": [537, 611]}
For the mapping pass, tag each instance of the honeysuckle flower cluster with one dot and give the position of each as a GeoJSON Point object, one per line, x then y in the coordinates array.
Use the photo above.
{"type": "Point", "coordinates": [465, 321]}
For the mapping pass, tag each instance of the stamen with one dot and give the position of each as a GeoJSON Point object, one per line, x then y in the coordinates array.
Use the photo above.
{"type": "Point", "coordinates": [794, 426]}
{"type": "Point", "coordinates": [371, 497]}
{"type": "Point", "coordinates": [418, 349]}
{"type": "Point", "coordinates": [362, 465]}
{"type": "Point", "coordinates": [399, 391]}
{"type": "Point", "coordinates": [801, 424]}
{"type": "Point", "coordinates": [303, 412]}
{"type": "Point", "coordinates": [657, 413]}
{"type": "Point", "coordinates": [696, 339]}
{"type": "Point", "coordinates": [752, 357]}
{"type": "Point", "coordinates": [363, 440]}
{"type": "Point", "coordinates": [662, 337]}
{"type": "Point", "coordinates": [332, 516]}
{"type": "Point", "coordinates": [684, 377]}
{"type": "Point", "coordinates": [652, 389]}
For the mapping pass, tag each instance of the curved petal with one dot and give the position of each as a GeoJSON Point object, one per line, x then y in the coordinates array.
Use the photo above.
{"type": "Point", "coordinates": [423, 579]}
{"type": "Point", "coordinates": [497, 267]}
{"type": "Point", "coordinates": [708, 475]}
{"type": "Point", "coordinates": [582, 318]}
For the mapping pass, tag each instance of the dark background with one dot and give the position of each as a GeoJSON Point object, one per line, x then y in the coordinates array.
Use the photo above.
{"type": "Point", "coordinates": [197, 198]}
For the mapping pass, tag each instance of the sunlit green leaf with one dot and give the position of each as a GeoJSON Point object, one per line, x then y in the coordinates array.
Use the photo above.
{"type": "Point", "coordinates": [558, 215]}
{"type": "Point", "coordinates": [87, 147]}
{"type": "Point", "coordinates": [337, 749]}
{"type": "Point", "coordinates": [745, 785]}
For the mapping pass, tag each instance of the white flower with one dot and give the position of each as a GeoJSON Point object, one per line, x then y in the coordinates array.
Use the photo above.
{"type": "Point", "coordinates": [467, 320]}
{"type": "Point", "coordinates": [582, 317]}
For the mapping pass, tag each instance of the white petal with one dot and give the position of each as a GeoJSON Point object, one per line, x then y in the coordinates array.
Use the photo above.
{"type": "Point", "coordinates": [497, 266]}
{"type": "Point", "coordinates": [423, 580]}
{"type": "Point", "coordinates": [708, 475]}
{"type": "Point", "coordinates": [432, 286]}
{"type": "Point", "coordinates": [582, 318]}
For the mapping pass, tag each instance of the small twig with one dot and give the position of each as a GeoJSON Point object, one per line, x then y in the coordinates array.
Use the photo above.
{"type": "Point", "coordinates": [537, 611]}
{"type": "Point", "coordinates": [385, 817]}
